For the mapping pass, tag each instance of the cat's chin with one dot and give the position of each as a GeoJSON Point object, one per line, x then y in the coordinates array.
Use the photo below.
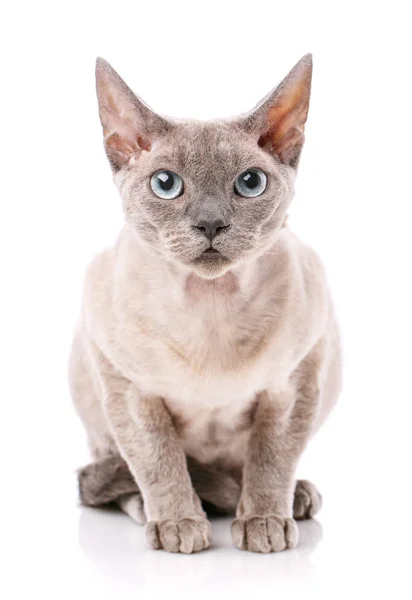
{"type": "Point", "coordinates": [211, 266]}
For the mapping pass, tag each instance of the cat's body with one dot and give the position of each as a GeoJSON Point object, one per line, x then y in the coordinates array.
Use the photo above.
{"type": "Point", "coordinates": [207, 347]}
{"type": "Point", "coordinates": [169, 361]}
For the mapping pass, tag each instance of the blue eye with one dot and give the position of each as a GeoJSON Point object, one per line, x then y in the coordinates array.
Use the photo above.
{"type": "Point", "coordinates": [166, 184]}
{"type": "Point", "coordinates": [251, 183]}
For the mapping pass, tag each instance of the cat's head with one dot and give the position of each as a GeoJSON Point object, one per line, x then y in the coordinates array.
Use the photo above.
{"type": "Point", "coordinates": [206, 195]}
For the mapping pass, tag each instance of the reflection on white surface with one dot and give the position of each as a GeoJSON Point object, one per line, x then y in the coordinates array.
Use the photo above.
{"type": "Point", "coordinates": [116, 548]}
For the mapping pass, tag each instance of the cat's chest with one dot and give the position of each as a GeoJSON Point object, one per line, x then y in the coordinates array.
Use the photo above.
{"type": "Point", "coordinates": [201, 363]}
{"type": "Point", "coordinates": [207, 354]}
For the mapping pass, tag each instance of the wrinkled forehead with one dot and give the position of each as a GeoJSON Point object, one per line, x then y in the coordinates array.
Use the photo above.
{"type": "Point", "coordinates": [216, 150]}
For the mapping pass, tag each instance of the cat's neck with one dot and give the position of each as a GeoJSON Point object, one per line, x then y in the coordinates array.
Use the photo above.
{"type": "Point", "coordinates": [170, 279]}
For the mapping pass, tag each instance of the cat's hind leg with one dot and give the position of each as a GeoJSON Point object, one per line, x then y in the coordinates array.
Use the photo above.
{"type": "Point", "coordinates": [104, 481]}
{"type": "Point", "coordinates": [109, 480]}
{"type": "Point", "coordinates": [307, 501]}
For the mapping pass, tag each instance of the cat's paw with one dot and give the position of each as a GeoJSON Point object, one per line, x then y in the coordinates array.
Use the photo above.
{"type": "Point", "coordinates": [186, 535]}
{"type": "Point", "coordinates": [307, 501]}
{"type": "Point", "coordinates": [268, 533]}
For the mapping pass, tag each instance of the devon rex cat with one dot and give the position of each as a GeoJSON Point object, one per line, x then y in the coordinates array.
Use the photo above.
{"type": "Point", "coordinates": [207, 352]}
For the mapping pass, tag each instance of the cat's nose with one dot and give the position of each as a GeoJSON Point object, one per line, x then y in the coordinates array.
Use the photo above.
{"type": "Point", "coordinates": [211, 228]}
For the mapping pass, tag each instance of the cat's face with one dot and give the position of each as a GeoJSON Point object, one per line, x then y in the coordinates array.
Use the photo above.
{"type": "Point", "coordinates": [206, 195]}
{"type": "Point", "coordinates": [202, 163]}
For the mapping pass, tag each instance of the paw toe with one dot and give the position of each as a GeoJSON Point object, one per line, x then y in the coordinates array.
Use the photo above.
{"type": "Point", "coordinates": [265, 534]}
{"type": "Point", "coordinates": [257, 535]}
{"type": "Point", "coordinates": [169, 536]}
{"type": "Point", "coordinates": [185, 536]}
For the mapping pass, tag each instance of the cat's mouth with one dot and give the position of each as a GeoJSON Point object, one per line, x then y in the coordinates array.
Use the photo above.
{"type": "Point", "coordinates": [211, 263]}
{"type": "Point", "coordinates": [211, 254]}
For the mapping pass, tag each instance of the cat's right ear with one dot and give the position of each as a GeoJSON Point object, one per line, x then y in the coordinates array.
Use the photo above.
{"type": "Point", "coordinates": [129, 125]}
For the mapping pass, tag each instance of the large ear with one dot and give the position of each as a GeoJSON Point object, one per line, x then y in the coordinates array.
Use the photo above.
{"type": "Point", "coordinates": [279, 120]}
{"type": "Point", "coordinates": [129, 125]}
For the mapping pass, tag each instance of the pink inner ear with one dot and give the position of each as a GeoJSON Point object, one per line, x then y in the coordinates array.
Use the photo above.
{"type": "Point", "coordinates": [120, 151]}
{"type": "Point", "coordinates": [144, 144]}
{"type": "Point", "coordinates": [286, 120]}
{"type": "Point", "coordinates": [119, 144]}
{"type": "Point", "coordinates": [290, 112]}
{"type": "Point", "coordinates": [127, 147]}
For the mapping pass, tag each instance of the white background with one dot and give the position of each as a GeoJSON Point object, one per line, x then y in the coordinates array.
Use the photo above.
{"type": "Point", "coordinates": [59, 207]}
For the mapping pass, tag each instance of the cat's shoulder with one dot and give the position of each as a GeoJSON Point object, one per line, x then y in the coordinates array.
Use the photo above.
{"type": "Point", "coordinates": [298, 275]}
{"type": "Point", "coordinates": [103, 268]}
{"type": "Point", "coordinates": [100, 269]}
{"type": "Point", "coordinates": [98, 285]}
{"type": "Point", "coordinates": [298, 255]}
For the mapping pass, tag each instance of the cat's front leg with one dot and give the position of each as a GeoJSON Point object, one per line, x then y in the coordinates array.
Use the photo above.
{"type": "Point", "coordinates": [280, 431]}
{"type": "Point", "coordinates": [147, 440]}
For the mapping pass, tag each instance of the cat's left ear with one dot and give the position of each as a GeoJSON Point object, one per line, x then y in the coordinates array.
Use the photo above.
{"type": "Point", "coordinates": [279, 120]}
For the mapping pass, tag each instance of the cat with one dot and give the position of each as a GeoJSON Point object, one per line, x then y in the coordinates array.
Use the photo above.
{"type": "Point", "coordinates": [207, 352]}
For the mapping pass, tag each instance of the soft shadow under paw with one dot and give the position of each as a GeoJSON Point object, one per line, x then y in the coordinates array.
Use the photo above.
{"type": "Point", "coordinates": [116, 547]}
